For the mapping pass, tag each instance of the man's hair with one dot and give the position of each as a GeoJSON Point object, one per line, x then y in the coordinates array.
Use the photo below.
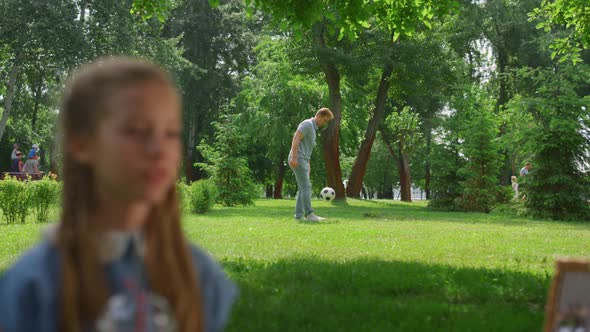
{"type": "Point", "coordinates": [325, 112]}
{"type": "Point", "coordinates": [527, 164]}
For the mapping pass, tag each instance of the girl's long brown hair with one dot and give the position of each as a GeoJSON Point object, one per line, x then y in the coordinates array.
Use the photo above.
{"type": "Point", "coordinates": [84, 289]}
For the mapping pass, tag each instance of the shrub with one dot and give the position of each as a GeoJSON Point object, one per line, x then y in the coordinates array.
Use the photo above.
{"type": "Point", "coordinates": [183, 196]}
{"type": "Point", "coordinates": [43, 195]}
{"type": "Point", "coordinates": [202, 195]}
{"type": "Point", "coordinates": [480, 188]}
{"type": "Point", "coordinates": [227, 164]}
{"type": "Point", "coordinates": [14, 200]}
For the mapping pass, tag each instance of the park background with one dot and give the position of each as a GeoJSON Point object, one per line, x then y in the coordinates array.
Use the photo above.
{"type": "Point", "coordinates": [445, 98]}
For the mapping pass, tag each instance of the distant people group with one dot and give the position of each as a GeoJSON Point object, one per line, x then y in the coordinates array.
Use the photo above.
{"type": "Point", "coordinates": [30, 166]}
{"type": "Point", "coordinates": [523, 173]}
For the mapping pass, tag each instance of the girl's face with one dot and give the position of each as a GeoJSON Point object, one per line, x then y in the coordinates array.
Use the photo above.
{"type": "Point", "coordinates": [136, 152]}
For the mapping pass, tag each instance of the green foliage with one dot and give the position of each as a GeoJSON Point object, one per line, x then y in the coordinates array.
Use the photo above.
{"type": "Point", "coordinates": [44, 195]}
{"type": "Point", "coordinates": [198, 197]}
{"type": "Point", "coordinates": [574, 16]}
{"type": "Point", "coordinates": [480, 189]}
{"type": "Point", "coordinates": [182, 190]}
{"type": "Point", "coordinates": [405, 128]}
{"type": "Point", "coordinates": [556, 187]}
{"type": "Point", "coordinates": [446, 178]}
{"type": "Point", "coordinates": [273, 100]}
{"type": "Point", "coordinates": [381, 170]}
{"type": "Point", "coordinates": [349, 18]}
{"type": "Point", "coordinates": [44, 56]}
{"type": "Point", "coordinates": [14, 200]}
{"type": "Point", "coordinates": [202, 196]}
{"type": "Point", "coordinates": [227, 167]}
{"type": "Point", "coordinates": [19, 198]}
{"type": "Point", "coordinates": [152, 8]}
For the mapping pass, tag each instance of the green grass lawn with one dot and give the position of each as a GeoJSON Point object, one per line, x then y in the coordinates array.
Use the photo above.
{"type": "Point", "coordinates": [375, 266]}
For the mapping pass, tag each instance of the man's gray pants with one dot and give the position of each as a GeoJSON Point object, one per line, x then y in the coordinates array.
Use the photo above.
{"type": "Point", "coordinates": [303, 205]}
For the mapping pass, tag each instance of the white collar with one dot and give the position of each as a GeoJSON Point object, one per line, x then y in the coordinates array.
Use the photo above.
{"type": "Point", "coordinates": [112, 244]}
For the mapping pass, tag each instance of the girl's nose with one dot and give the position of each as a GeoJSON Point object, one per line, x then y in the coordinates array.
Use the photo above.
{"type": "Point", "coordinates": [154, 147]}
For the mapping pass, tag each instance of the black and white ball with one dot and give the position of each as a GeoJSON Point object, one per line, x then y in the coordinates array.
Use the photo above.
{"type": "Point", "coordinates": [328, 194]}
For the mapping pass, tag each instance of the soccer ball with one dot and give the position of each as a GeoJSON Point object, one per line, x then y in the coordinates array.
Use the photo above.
{"type": "Point", "coordinates": [328, 194]}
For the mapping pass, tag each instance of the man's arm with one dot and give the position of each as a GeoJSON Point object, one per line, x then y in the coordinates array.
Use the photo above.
{"type": "Point", "coordinates": [295, 148]}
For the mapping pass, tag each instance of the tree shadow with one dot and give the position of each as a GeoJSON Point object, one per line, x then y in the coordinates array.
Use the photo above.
{"type": "Point", "coordinates": [307, 294]}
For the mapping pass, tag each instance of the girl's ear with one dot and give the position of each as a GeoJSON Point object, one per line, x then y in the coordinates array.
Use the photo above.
{"type": "Point", "coordinates": [79, 149]}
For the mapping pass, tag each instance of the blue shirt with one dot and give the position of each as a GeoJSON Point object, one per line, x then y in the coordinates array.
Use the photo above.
{"type": "Point", "coordinates": [29, 290]}
{"type": "Point", "coordinates": [524, 171]}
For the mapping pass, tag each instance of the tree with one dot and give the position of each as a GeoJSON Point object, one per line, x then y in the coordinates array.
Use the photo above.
{"type": "Point", "coordinates": [26, 34]}
{"type": "Point", "coordinates": [380, 176]}
{"type": "Point", "coordinates": [480, 189]}
{"type": "Point", "coordinates": [274, 99]}
{"type": "Point", "coordinates": [218, 43]}
{"type": "Point", "coordinates": [403, 128]}
{"type": "Point", "coordinates": [326, 22]}
{"type": "Point", "coordinates": [336, 22]}
{"type": "Point", "coordinates": [226, 164]}
{"type": "Point", "coordinates": [37, 58]}
{"type": "Point", "coordinates": [574, 15]}
{"type": "Point", "coordinates": [557, 187]}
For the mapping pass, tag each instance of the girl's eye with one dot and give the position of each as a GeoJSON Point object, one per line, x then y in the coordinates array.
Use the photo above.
{"type": "Point", "coordinates": [134, 131]}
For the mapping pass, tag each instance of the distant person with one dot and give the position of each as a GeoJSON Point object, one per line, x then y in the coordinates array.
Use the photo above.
{"type": "Point", "coordinates": [31, 166]}
{"type": "Point", "coordinates": [299, 161]}
{"type": "Point", "coordinates": [514, 186]}
{"type": "Point", "coordinates": [525, 170]}
{"type": "Point", "coordinates": [14, 158]}
{"type": "Point", "coordinates": [118, 260]}
{"type": "Point", "coordinates": [20, 165]}
{"type": "Point", "coordinates": [34, 151]}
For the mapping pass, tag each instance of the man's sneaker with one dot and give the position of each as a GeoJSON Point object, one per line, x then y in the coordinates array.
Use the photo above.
{"type": "Point", "coordinates": [314, 218]}
{"type": "Point", "coordinates": [298, 218]}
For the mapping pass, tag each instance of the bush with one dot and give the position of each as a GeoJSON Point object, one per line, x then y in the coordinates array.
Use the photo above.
{"type": "Point", "coordinates": [480, 188]}
{"type": "Point", "coordinates": [14, 200]}
{"type": "Point", "coordinates": [202, 196]}
{"type": "Point", "coordinates": [227, 164]}
{"type": "Point", "coordinates": [183, 195]}
{"type": "Point", "coordinates": [43, 195]}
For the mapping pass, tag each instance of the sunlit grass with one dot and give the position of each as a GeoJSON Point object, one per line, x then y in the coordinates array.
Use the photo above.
{"type": "Point", "coordinates": [375, 265]}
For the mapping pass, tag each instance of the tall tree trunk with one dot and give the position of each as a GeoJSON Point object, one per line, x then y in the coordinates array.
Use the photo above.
{"type": "Point", "coordinates": [278, 193]}
{"type": "Point", "coordinates": [36, 106]}
{"type": "Point", "coordinates": [269, 191]}
{"type": "Point", "coordinates": [359, 168]}
{"type": "Point", "coordinates": [503, 98]}
{"type": "Point", "coordinates": [427, 172]}
{"type": "Point", "coordinates": [405, 181]}
{"type": "Point", "coordinates": [403, 167]}
{"type": "Point", "coordinates": [53, 166]}
{"type": "Point", "coordinates": [331, 136]}
{"type": "Point", "coordinates": [10, 90]}
{"type": "Point", "coordinates": [189, 158]}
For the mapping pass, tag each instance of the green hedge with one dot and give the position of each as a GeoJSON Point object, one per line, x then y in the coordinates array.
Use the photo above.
{"type": "Point", "coordinates": [19, 199]}
{"type": "Point", "coordinates": [198, 197]}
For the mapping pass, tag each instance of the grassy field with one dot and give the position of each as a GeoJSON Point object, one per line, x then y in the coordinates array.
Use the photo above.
{"type": "Point", "coordinates": [376, 266]}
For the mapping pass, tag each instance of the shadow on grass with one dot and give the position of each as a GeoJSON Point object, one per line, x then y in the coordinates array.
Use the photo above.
{"type": "Point", "coordinates": [376, 295]}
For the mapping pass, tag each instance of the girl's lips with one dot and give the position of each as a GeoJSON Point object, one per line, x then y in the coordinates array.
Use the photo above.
{"type": "Point", "coordinates": [154, 176]}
